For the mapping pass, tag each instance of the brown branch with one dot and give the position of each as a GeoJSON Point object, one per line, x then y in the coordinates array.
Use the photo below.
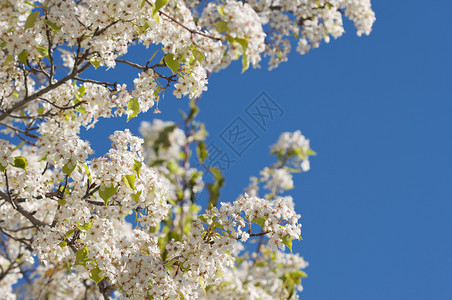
{"type": "Point", "coordinates": [45, 90]}
{"type": "Point", "coordinates": [161, 13]}
{"type": "Point", "coordinates": [23, 211]}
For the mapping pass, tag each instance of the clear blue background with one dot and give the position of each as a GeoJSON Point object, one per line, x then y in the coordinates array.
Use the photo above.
{"type": "Point", "coordinates": [376, 205]}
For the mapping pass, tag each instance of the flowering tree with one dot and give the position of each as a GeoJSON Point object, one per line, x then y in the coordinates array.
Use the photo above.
{"type": "Point", "coordinates": [63, 226]}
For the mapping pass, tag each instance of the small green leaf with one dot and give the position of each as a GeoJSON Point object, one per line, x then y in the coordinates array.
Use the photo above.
{"type": "Point", "coordinates": [81, 109]}
{"type": "Point", "coordinates": [93, 60]}
{"type": "Point", "coordinates": [81, 90]}
{"type": "Point", "coordinates": [245, 63]}
{"type": "Point", "coordinates": [85, 227]}
{"type": "Point", "coordinates": [243, 43]}
{"type": "Point", "coordinates": [171, 62]}
{"type": "Point", "coordinates": [220, 10]}
{"type": "Point", "coordinates": [158, 5]}
{"type": "Point", "coordinates": [129, 180]}
{"type": "Point", "coordinates": [260, 221]}
{"type": "Point", "coordinates": [69, 168]}
{"type": "Point", "coordinates": [287, 240]}
{"type": "Point", "coordinates": [137, 167]}
{"type": "Point", "coordinates": [136, 196]}
{"type": "Point", "coordinates": [198, 55]}
{"type": "Point", "coordinates": [81, 256]}
{"type": "Point", "coordinates": [31, 20]}
{"type": "Point", "coordinates": [68, 234]}
{"type": "Point", "coordinates": [156, 18]}
{"type": "Point", "coordinates": [23, 57]}
{"type": "Point", "coordinates": [96, 275]}
{"type": "Point", "coordinates": [20, 162]}
{"type": "Point", "coordinates": [40, 110]}
{"type": "Point", "coordinates": [52, 25]}
{"type": "Point", "coordinates": [310, 152]}
{"type": "Point", "coordinates": [201, 150]}
{"type": "Point", "coordinates": [107, 192]}
{"type": "Point", "coordinates": [143, 2]}
{"type": "Point", "coordinates": [61, 202]}
{"type": "Point", "coordinates": [87, 172]}
{"type": "Point", "coordinates": [222, 26]}
{"type": "Point", "coordinates": [8, 59]}
{"type": "Point", "coordinates": [133, 108]}
{"type": "Point", "coordinates": [43, 50]}
{"type": "Point", "coordinates": [2, 168]}
{"type": "Point", "coordinates": [201, 283]}
{"type": "Point", "coordinates": [62, 244]}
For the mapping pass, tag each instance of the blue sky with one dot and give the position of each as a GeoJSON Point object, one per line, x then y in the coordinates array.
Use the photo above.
{"type": "Point", "coordinates": [376, 205]}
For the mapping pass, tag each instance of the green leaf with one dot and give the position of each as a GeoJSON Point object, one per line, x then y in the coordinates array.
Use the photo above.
{"type": "Point", "coordinates": [40, 110]}
{"type": "Point", "coordinates": [31, 20]}
{"type": "Point", "coordinates": [62, 244]}
{"type": "Point", "coordinates": [260, 221]}
{"type": "Point", "coordinates": [96, 275]}
{"type": "Point", "coordinates": [107, 192]}
{"type": "Point", "coordinates": [243, 43]}
{"type": "Point", "coordinates": [68, 234]}
{"type": "Point", "coordinates": [133, 108]}
{"type": "Point", "coordinates": [85, 227]}
{"type": "Point", "coordinates": [201, 283]}
{"type": "Point", "coordinates": [81, 90]}
{"type": "Point", "coordinates": [198, 55]}
{"type": "Point", "coordinates": [2, 168]}
{"type": "Point", "coordinates": [220, 10]}
{"type": "Point", "coordinates": [69, 168]}
{"type": "Point", "coordinates": [43, 50]}
{"type": "Point", "coordinates": [136, 196]}
{"type": "Point", "coordinates": [143, 3]}
{"type": "Point", "coordinates": [287, 240]}
{"type": "Point", "coordinates": [158, 5]}
{"type": "Point", "coordinates": [222, 26]}
{"type": "Point", "coordinates": [3, 44]}
{"type": "Point", "coordinates": [20, 162]}
{"type": "Point", "coordinates": [156, 18]}
{"type": "Point", "coordinates": [201, 150]}
{"type": "Point", "coordinates": [87, 172]}
{"type": "Point", "coordinates": [171, 62]}
{"type": "Point", "coordinates": [129, 180]}
{"type": "Point", "coordinates": [137, 167]}
{"type": "Point", "coordinates": [23, 57]}
{"type": "Point", "coordinates": [93, 60]}
{"type": "Point", "coordinates": [52, 25]}
{"type": "Point", "coordinates": [61, 202]}
{"type": "Point", "coordinates": [81, 109]}
{"type": "Point", "coordinates": [310, 152]}
{"type": "Point", "coordinates": [245, 63]}
{"type": "Point", "coordinates": [81, 256]}
{"type": "Point", "coordinates": [8, 59]}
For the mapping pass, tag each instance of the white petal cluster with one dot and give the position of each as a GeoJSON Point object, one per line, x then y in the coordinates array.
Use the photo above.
{"type": "Point", "coordinates": [294, 143]}
{"type": "Point", "coordinates": [240, 21]}
{"type": "Point", "coordinates": [5, 153]}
